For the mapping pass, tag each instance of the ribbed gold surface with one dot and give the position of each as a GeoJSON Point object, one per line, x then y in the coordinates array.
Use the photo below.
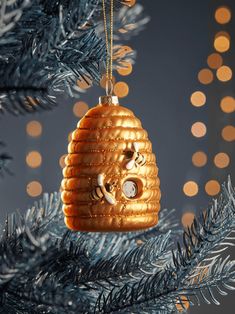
{"type": "Point", "coordinates": [100, 144]}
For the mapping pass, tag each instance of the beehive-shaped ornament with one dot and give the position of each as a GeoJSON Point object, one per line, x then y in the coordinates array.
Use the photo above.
{"type": "Point", "coordinates": [111, 178]}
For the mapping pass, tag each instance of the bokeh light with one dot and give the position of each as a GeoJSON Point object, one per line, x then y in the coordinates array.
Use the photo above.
{"type": "Point", "coordinates": [187, 219]}
{"type": "Point", "coordinates": [80, 108]}
{"type": "Point", "coordinates": [121, 89]}
{"type": "Point", "coordinates": [221, 160]}
{"type": "Point", "coordinates": [31, 101]}
{"type": "Point", "coordinates": [122, 30]}
{"type": "Point", "coordinates": [224, 73]}
{"type": "Point", "coordinates": [62, 161]}
{"type": "Point", "coordinates": [121, 52]}
{"type": "Point", "coordinates": [190, 188]}
{"type": "Point", "coordinates": [125, 68]}
{"type": "Point", "coordinates": [84, 82]}
{"type": "Point", "coordinates": [198, 99]}
{"type": "Point", "coordinates": [228, 133]}
{"type": "Point", "coordinates": [199, 159]}
{"type": "Point", "coordinates": [34, 159]}
{"type": "Point", "coordinates": [104, 79]}
{"type": "Point", "coordinates": [129, 3]}
{"type": "Point", "coordinates": [183, 304]}
{"type": "Point", "coordinates": [212, 187]}
{"type": "Point", "coordinates": [205, 76]}
{"type": "Point", "coordinates": [34, 188]}
{"type": "Point", "coordinates": [227, 104]}
{"type": "Point", "coordinates": [34, 128]}
{"type": "Point", "coordinates": [222, 42]}
{"type": "Point", "coordinates": [198, 129]}
{"type": "Point", "coordinates": [214, 60]}
{"type": "Point", "coordinates": [223, 15]}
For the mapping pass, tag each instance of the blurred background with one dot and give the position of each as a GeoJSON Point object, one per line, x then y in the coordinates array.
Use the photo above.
{"type": "Point", "coordinates": [181, 87]}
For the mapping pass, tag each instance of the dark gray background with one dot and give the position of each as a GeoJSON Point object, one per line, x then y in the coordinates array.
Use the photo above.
{"type": "Point", "coordinates": [171, 51]}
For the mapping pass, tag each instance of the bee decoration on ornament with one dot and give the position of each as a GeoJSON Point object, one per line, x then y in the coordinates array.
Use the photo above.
{"type": "Point", "coordinates": [137, 158]}
{"type": "Point", "coordinates": [103, 191]}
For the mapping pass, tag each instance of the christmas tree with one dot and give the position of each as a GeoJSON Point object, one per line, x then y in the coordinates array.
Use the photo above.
{"type": "Point", "coordinates": [44, 268]}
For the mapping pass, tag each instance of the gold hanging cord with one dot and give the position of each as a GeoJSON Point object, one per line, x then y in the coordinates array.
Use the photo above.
{"type": "Point", "coordinates": [109, 48]}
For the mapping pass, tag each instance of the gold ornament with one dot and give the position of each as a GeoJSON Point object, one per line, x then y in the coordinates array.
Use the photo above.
{"type": "Point", "coordinates": [110, 179]}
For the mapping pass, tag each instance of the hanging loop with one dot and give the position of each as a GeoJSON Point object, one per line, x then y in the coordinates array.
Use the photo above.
{"type": "Point", "coordinates": [109, 87]}
{"type": "Point", "coordinates": [109, 47]}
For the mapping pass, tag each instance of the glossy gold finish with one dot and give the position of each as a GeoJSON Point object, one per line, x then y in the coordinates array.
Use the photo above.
{"type": "Point", "coordinates": [129, 3]}
{"type": "Point", "coordinates": [102, 144]}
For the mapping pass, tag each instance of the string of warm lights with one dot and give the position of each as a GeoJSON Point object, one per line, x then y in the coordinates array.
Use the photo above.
{"type": "Point", "coordinates": [217, 69]}
{"type": "Point", "coordinates": [34, 158]}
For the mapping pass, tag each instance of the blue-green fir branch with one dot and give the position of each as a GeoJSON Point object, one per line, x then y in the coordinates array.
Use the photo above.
{"type": "Point", "coordinates": [129, 265]}
{"type": "Point", "coordinates": [50, 63]}
{"type": "Point", "coordinates": [167, 222]}
{"type": "Point", "coordinates": [200, 250]}
{"type": "Point", "coordinates": [10, 12]}
{"type": "Point", "coordinates": [204, 287]}
{"type": "Point", "coordinates": [52, 46]}
{"type": "Point", "coordinates": [27, 93]}
{"type": "Point", "coordinates": [46, 269]}
{"type": "Point", "coordinates": [26, 255]}
{"type": "Point", "coordinates": [129, 22]}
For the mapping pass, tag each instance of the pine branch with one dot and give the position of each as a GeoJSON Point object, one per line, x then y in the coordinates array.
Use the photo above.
{"type": "Point", "coordinates": [45, 292]}
{"type": "Point", "coordinates": [116, 243]}
{"type": "Point", "coordinates": [219, 276]}
{"type": "Point", "coordinates": [14, 260]}
{"type": "Point", "coordinates": [127, 266]}
{"type": "Point", "coordinates": [203, 286]}
{"type": "Point", "coordinates": [129, 22]}
{"type": "Point", "coordinates": [37, 66]}
{"type": "Point", "coordinates": [27, 93]}
{"type": "Point", "coordinates": [26, 254]}
{"type": "Point", "coordinates": [10, 12]}
{"type": "Point", "coordinates": [204, 239]}
{"type": "Point", "coordinates": [50, 63]}
{"type": "Point", "coordinates": [201, 242]}
{"type": "Point", "coordinates": [45, 217]}
{"type": "Point", "coordinates": [167, 222]}
{"type": "Point", "coordinates": [46, 269]}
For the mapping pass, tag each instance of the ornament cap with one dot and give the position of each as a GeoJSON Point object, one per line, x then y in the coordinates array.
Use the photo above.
{"type": "Point", "coordinates": [108, 101]}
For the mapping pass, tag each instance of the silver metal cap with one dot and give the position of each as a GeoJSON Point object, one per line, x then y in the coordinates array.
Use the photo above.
{"type": "Point", "coordinates": [108, 101]}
